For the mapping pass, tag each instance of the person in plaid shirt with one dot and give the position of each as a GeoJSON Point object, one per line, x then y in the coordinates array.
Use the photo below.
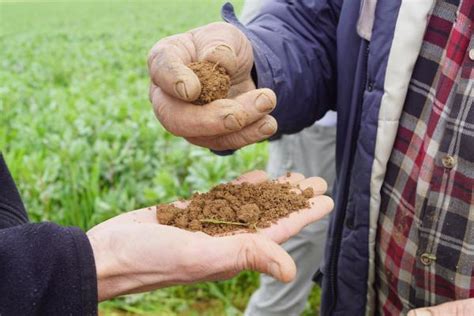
{"type": "Point", "coordinates": [424, 249]}
{"type": "Point", "coordinates": [400, 75]}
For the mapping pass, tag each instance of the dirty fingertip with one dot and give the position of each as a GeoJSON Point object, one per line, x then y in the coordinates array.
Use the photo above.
{"type": "Point", "coordinates": [187, 88]}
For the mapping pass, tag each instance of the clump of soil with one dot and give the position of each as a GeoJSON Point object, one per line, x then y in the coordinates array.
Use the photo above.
{"type": "Point", "coordinates": [235, 207]}
{"type": "Point", "coordinates": [215, 82]}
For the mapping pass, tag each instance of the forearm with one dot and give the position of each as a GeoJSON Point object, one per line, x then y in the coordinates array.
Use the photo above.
{"type": "Point", "coordinates": [46, 269]}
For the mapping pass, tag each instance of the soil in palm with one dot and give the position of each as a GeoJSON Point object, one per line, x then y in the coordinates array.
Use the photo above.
{"type": "Point", "coordinates": [235, 207]}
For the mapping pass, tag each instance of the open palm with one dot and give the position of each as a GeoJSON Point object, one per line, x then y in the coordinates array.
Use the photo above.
{"type": "Point", "coordinates": [134, 253]}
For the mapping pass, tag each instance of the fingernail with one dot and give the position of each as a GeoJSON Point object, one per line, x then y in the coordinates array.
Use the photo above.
{"type": "Point", "coordinates": [232, 123]}
{"type": "Point", "coordinates": [224, 48]}
{"type": "Point", "coordinates": [274, 269]}
{"type": "Point", "coordinates": [267, 128]}
{"type": "Point", "coordinates": [264, 103]}
{"type": "Point", "coordinates": [180, 88]}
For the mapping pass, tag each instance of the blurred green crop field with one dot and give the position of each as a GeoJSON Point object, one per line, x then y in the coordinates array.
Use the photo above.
{"type": "Point", "coordinates": [81, 140]}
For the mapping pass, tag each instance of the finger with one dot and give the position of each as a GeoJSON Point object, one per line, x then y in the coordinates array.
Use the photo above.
{"type": "Point", "coordinates": [217, 42]}
{"type": "Point", "coordinates": [257, 253]}
{"type": "Point", "coordinates": [255, 176]}
{"type": "Point", "coordinates": [168, 70]}
{"type": "Point", "coordinates": [258, 131]}
{"type": "Point", "coordinates": [289, 226]}
{"type": "Point", "coordinates": [319, 185]}
{"type": "Point", "coordinates": [291, 177]}
{"type": "Point", "coordinates": [188, 120]}
{"type": "Point", "coordinates": [219, 117]}
{"type": "Point", "coordinates": [257, 103]}
{"type": "Point", "coordinates": [222, 54]}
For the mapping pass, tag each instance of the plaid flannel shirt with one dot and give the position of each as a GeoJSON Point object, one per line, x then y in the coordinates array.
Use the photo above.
{"type": "Point", "coordinates": [425, 238]}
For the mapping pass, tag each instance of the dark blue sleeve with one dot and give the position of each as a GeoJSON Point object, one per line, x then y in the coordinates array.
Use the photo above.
{"type": "Point", "coordinates": [12, 210]}
{"type": "Point", "coordinates": [294, 45]}
{"type": "Point", "coordinates": [46, 269]}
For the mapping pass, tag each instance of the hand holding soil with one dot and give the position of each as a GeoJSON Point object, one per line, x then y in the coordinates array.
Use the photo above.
{"type": "Point", "coordinates": [134, 253]}
{"type": "Point", "coordinates": [233, 113]}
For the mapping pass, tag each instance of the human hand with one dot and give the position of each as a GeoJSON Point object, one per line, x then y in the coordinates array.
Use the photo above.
{"type": "Point", "coordinates": [454, 308]}
{"type": "Point", "coordinates": [133, 253]}
{"type": "Point", "coordinates": [231, 123]}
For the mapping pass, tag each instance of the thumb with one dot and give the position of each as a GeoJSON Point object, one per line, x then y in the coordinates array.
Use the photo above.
{"type": "Point", "coordinates": [259, 253]}
{"type": "Point", "coordinates": [167, 67]}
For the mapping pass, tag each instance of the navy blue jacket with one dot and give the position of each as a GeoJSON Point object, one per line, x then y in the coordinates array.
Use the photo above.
{"type": "Point", "coordinates": [355, 57]}
{"type": "Point", "coordinates": [45, 269]}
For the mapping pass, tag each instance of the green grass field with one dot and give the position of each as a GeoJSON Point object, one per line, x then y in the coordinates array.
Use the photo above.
{"type": "Point", "coordinates": [79, 135]}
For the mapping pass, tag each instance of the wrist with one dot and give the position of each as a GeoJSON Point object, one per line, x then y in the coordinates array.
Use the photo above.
{"type": "Point", "coordinates": [109, 284]}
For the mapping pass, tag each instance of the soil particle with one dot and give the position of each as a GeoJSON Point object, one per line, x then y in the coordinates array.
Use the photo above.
{"type": "Point", "coordinates": [195, 224]}
{"type": "Point", "coordinates": [236, 207]}
{"type": "Point", "coordinates": [182, 221]}
{"type": "Point", "coordinates": [166, 213]}
{"type": "Point", "coordinates": [308, 193]}
{"type": "Point", "coordinates": [215, 82]}
{"type": "Point", "coordinates": [248, 213]}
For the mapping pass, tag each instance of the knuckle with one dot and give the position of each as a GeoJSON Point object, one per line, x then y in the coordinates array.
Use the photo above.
{"type": "Point", "coordinates": [198, 142]}
{"type": "Point", "coordinates": [210, 143]}
{"type": "Point", "coordinates": [225, 142]}
{"type": "Point", "coordinates": [155, 50]}
{"type": "Point", "coordinates": [246, 256]}
{"type": "Point", "coordinates": [234, 141]}
{"type": "Point", "coordinates": [151, 54]}
{"type": "Point", "coordinates": [247, 137]}
{"type": "Point", "coordinates": [160, 113]}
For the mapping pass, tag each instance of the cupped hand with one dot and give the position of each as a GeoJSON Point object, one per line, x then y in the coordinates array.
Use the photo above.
{"type": "Point", "coordinates": [134, 253]}
{"type": "Point", "coordinates": [231, 123]}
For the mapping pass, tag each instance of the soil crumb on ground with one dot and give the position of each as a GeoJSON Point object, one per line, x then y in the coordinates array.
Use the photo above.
{"type": "Point", "coordinates": [215, 82]}
{"type": "Point", "coordinates": [236, 207]}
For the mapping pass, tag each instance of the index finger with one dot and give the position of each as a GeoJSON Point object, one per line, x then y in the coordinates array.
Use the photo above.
{"type": "Point", "coordinates": [167, 66]}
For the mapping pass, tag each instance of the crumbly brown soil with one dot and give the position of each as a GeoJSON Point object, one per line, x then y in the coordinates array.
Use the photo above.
{"type": "Point", "coordinates": [235, 207]}
{"type": "Point", "coordinates": [215, 82]}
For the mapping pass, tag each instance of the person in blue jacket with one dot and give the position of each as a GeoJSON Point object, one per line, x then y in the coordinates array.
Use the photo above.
{"type": "Point", "coordinates": [312, 153]}
{"type": "Point", "coordinates": [400, 76]}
